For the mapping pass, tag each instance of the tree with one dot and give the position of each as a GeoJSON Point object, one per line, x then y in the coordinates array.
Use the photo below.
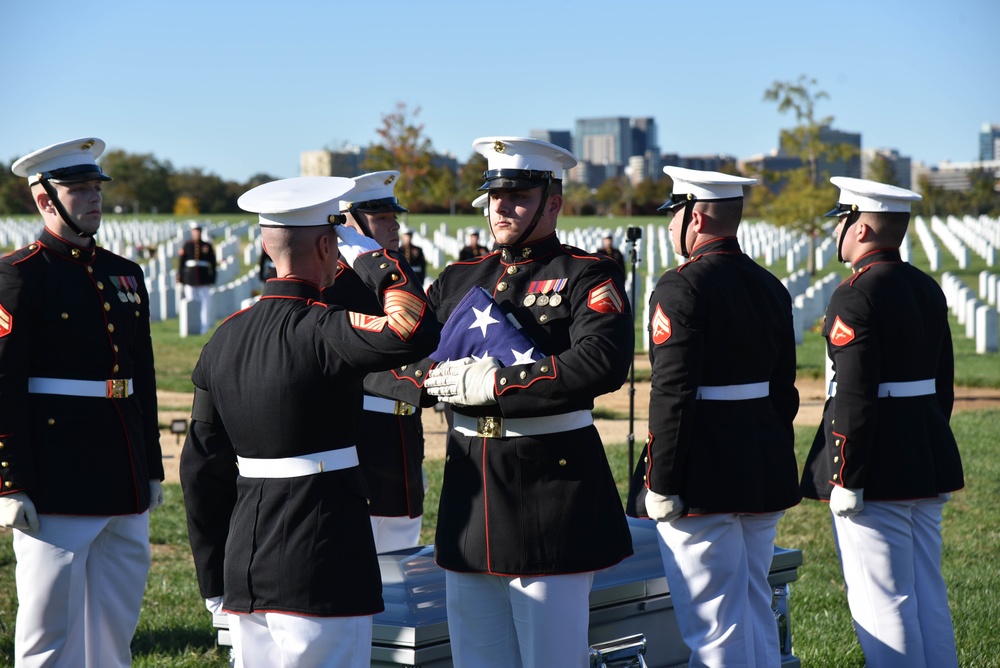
{"type": "Point", "coordinates": [806, 193]}
{"type": "Point", "coordinates": [15, 195]}
{"type": "Point", "coordinates": [577, 199]}
{"type": "Point", "coordinates": [880, 169]}
{"type": "Point", "coordinates": [139, 182]}
{"type": "Point", "coordinates": [405, 149]}
{"type": "Point", "coordinates": [470, 177]}
{"type": "Point", "coordinates": [982, 197]}
{"type": "Point", "coordinates": [209, 192]}
{"type": "Point", "coordinates": [611, 196]}
{"type": "Point", "coordinates": [648, 196]}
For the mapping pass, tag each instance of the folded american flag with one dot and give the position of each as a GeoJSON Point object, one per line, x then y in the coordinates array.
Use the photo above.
{"type": "Point", "coordinates": [479, 328]}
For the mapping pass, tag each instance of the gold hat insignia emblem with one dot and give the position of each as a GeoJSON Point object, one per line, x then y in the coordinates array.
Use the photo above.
{"type": "Point", "coordinates": [87, 144]}
{"type": "Point", "coordinates": [392, 177]}
{"type": "Point", "coordinates": [499, 146]}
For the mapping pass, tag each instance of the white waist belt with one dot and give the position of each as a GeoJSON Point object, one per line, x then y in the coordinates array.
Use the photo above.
{"type": "Point", "coordinates": [390, 406]}
{"type": "Point", "coordinates": [496, 427]}
{"type": "Point", "coordinates": [197, 263]}
{"type": "Point", "coordinates": [910, 388]}
{"type": "Point", "coordinates": [733, 392]}
{"type": "Point", "coordinates": [116, 388]}
{"type": "Point", "coordinates": [296, 467]}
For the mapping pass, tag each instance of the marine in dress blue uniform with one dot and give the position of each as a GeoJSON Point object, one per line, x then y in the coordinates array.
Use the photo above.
{"type": "Point", "coordinates": [719, 467]}
{"type": "Point", "coordinates": [413, 254]}
{"type": "Point", "coordinates": [80, 461]}
{"type": "Point", "coordinates": [196, 272]}
{"type": "Point", "coordinates": [391, 438]}
{"type": "Point", "coordinates": [885, 457]}
{"type": "Point", "coordinates": [277, 504]}
{"type": "Point", "coordinates": [529, 507]}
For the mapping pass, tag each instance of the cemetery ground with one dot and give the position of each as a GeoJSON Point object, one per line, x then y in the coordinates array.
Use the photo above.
{"type": "Point", "coordinates": [175, 629]}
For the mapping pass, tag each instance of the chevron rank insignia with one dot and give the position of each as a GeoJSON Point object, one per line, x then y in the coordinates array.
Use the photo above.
{"type": "Point", "coordinates": [369, 323]}
{"type": "Point", "coordinates": [605, 298]}
{"type": "Point", "coordinates": [6, 322]}
{"type": "Point", "coordinates": [660, 326]}
{"type": "Point", "coordinates": [840, 333]}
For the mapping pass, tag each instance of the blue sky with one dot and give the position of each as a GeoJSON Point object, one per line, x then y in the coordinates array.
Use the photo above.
{"type": "Point", "coordinates": [237, 88]}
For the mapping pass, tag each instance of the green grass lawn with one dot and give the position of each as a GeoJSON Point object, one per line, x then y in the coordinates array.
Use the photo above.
{"type": "Point", "coordinates": [176, 630]}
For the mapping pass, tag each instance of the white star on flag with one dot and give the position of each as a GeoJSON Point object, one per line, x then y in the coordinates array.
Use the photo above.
{"type": "Point", "coordinates": [483, 319]}
{"type": "Point", "coordinates": [523, 358]}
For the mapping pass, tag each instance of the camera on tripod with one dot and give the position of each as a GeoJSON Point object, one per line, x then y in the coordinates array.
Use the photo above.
{"type": "Point", "coordinates": [633, 233]}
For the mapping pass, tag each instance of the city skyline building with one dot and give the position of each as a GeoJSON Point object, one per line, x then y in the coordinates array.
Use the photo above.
{"type": "Point", "coordinates": [901, 165]}
{"type": "Point", "coordinates": [989, 141]}
{"type": "Point", "coordinates": [617, 146]}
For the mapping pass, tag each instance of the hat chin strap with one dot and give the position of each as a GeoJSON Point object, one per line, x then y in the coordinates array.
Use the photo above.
{"type": "Point", "coordinates": [534, 221]}
{"type": "Point", "coordinates": [54, 198]}
{"type": "Point", "coordinates": [688, 208]}
{"type": "Point", "coordinates": [852, 217]}
{"type": "Point", "coordinates": [362, 221]}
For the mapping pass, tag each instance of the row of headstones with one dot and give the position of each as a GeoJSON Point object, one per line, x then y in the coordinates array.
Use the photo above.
{"type": "Point", "coordinates": [926, 238]}
{"type": "Point", "coordinates": [951, 241]}
{"type": "Point", "coordinates": [960, 236]}
{"type": "Point", "coordinates": [980, 235]}
{"type": "Point", "coordinates": [978, 313]}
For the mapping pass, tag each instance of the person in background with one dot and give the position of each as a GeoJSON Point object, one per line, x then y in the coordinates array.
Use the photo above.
{"type": "Point", "coordinates": [79, 437]}
{"type": "Point", "coordinates": [265, 269]}
{"type": "Point", "coordinates": [277, 505]}
{"type": "Point", "coordinates": [885, 457]}
{"type": "Point", "coordinates": [719, 469]}
{"type": "Point", "coordinates": [390, 439]}
{"type": "Point", "coordinates": [608, 249]}
{"type": "Point", "coordinates": [413, 254]}
{"type": "Point", "coordinates": [196, 269]}
{"type": "Point", "coordinates": [472, 249]}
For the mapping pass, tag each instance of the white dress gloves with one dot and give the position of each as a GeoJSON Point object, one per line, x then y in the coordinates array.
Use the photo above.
{"type": "Point", "coordinates": [353, 243]}
{"type": "Point", "coordinates": [464, 382]}
{"type": "Point", "coordinates": [663, 508]}
{"type": "Point", "coordinates": [214, 605]}
{"type": "Point", "coordinates": [18, 512]}
{"type": "Point", "coordinates": [846, 502]}
{"type": "Point", "coordinates": [155, 495]}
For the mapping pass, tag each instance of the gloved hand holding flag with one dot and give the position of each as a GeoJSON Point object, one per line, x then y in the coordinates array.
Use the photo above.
{"type": "Point", "coordinates": [477, 339]}
{"type": "Point", "coordinates": [478, 328]}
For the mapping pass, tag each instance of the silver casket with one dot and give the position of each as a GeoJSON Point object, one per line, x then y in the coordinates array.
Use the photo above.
{"type": "Point", "coordinates": [628, 599]}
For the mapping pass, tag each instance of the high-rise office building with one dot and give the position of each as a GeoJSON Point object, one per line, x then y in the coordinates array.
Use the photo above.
{"type": "Point", "coordinates": [831, 166]}
{"type": "Point", "coordinates": [561, 138]}
{"type": "Point", "coordinates": [989, 142]}
{"type": "Point", "coordinates": [607, 146]}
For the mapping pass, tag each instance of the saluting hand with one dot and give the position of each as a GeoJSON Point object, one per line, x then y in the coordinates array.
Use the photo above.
{"type": "Point", "coordinates": [353, 243]}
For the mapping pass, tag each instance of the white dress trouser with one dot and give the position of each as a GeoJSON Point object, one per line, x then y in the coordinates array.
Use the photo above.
{"type": "Point", "coordinates": [717, 568]}
{"type": "Point", "coordinates": [518, 622]}
{"type": "Point", "coordinates": [203, 293]}
{"type": "Point", "coordinates": [890, 553]}
{"type": "Point", "coordinates": [80, 583]}
{"type": "Point", "coordinates": [280, 640]}
{"type": "Point", "coordinates": [395, 533]}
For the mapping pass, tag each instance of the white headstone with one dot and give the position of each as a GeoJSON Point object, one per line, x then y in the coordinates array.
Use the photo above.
{"type": "Point", "coordinates": [987, 334]}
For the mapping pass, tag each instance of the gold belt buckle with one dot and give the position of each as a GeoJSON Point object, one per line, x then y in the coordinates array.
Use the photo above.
{"type": "Point", "coordinates": [403, 408]}
{"type": "Point", "coordinates": [117, 388]}
{"type": "Point", "coordinates": [489, 427]}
